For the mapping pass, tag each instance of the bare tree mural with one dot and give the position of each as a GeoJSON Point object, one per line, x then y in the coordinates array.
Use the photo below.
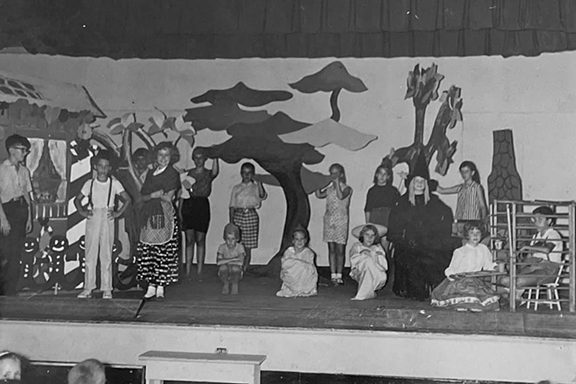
{"type": "Point", "coordinates": [422, 88]}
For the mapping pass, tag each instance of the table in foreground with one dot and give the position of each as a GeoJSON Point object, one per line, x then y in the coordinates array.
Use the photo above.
{"type": "Point", "coordinates": [211, 367]}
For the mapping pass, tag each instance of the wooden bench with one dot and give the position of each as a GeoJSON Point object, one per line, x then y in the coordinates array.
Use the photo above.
{"type": "Point", "coordinates": [209, 367]}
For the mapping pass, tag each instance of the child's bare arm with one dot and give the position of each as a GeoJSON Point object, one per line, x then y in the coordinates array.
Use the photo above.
{"type": "Point", "coordinates": [125, 203]}
{"type": "Point", "coordinates": [449, 190]}
{"type": "Point", "coordinates": [168, 196]}
{"type": "Point", "coordinates": [215, 168]}
{"type": "Point", "coordinates": [78, 204]}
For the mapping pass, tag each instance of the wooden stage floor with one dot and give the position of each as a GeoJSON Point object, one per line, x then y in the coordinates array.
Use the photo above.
{"type": "Point", "coordinates": [191, 303]}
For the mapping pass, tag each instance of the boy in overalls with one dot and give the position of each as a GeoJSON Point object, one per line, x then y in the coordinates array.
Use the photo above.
{"type": "Point", "coordinates": [101, 192]}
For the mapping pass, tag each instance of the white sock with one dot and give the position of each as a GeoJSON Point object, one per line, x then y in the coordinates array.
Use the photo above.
{"type": "Point", "coordinates": [338, 275]}
{"type": "Point", "coordinates": [160, 291]}
{"type": "Point", "coordinates": [333, 276]}
{"type": "Point", "coordinates": [151, 291]}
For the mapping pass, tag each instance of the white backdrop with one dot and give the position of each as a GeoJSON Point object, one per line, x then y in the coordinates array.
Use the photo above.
{"type": "Point", "coordinates": [535, 97]}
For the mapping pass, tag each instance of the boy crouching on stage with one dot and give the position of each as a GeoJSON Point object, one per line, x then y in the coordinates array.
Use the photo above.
{"type": "Point", "coordinates": [101, 192]}
{"type": "Point", "coordinates": [230, 258]}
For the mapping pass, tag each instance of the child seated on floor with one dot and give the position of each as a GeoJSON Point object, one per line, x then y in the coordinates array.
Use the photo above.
{"type": "Point", "coordinates": [230, 258]}
{"type": "Point", "coordinates": [298, 274]}
{"type": "Point", "coordinates": [541, 260]}
{"type": "Point", "coordinates": [368, 261]}
{"type": "Point", "coordinates": [462, 292]}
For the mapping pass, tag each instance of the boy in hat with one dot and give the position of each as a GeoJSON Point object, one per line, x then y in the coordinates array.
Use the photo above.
{"type": "Point", "coordinates": [15, 212]}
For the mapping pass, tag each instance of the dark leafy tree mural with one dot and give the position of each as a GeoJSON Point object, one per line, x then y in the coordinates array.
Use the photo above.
{"type": "Point", "coordinates": [279, 144]}
{"type": "Point", "coordinates": [422, 88]}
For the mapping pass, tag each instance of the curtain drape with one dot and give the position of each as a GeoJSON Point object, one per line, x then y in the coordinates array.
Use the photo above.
{"type": "Point", "coordinates": [205, 29]}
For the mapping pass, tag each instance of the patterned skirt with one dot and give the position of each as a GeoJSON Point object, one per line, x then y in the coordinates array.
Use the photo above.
{"type": "Point", "coordinates": [335, 228]}
{"type": "Point", "coordinates": [158, 263]}
{"type": "Point", "coordinates": [249, 223]}
{"type": "Point", "coordinates": [469, 293]}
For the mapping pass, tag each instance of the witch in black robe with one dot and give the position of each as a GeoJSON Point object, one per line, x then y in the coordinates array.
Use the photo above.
{"type": "Point", "coordinates": [420, 228]}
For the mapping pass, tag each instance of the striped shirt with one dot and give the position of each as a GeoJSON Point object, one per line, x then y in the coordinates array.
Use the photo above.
{"type": "Point", "coordinates": [470, 202]}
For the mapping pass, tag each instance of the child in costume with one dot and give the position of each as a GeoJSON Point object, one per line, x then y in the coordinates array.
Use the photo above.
{"type": "Point", "coordinates": [230, 259]}
{"type": "Point", "coordinates": [298, 274]}
{"type": "Point", "coordinates": [368, 261]}
{"type": "Point", "coordinates": [101, 192]}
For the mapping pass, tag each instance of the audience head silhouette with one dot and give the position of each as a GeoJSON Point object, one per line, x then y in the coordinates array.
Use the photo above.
{"type": "Point", "coordinates": [89, 371]}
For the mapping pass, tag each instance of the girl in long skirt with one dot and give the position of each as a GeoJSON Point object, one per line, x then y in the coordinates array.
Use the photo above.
{"type": "Point", "coordinates": [461, 292]}
{"type": "Point", "coordinates": [158, 248]}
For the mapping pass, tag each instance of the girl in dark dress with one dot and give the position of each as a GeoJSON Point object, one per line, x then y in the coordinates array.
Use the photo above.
{"type": "Point", "coordinates": [195, 210]}
{"type": "Point", "coordinates": [159, 244]}
{"type": "Point", "coordinates": [420, 228]}
{"type": "Point", "coordinates": [381, 197]}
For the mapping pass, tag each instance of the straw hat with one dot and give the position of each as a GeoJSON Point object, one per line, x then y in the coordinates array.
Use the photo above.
{"type": "Point", "coordinates": [382, 230]}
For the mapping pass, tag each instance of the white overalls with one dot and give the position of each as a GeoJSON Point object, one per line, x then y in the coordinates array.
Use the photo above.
{"type": "Point", "coordinates": [99, 242]}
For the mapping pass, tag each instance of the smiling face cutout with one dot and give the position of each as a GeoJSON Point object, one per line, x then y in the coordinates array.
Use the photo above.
{"type": "Point", "coordinates": [58, 243]}
{"type": "Point", "coordinates": [31, 246]}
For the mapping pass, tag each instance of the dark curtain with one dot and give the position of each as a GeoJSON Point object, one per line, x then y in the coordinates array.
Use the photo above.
{"type": "Point", "coordinates": [204, 29]}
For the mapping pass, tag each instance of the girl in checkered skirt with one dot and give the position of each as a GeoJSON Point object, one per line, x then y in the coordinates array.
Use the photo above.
{"type": "Point", "coordinates": [245, 199]}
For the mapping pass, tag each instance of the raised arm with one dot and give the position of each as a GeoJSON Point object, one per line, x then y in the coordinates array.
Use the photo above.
{"type": "Point", "coordinates": [261, 191]}
{"type": "Point", "coordinates": [322, 192]}
{"type": "Point", "coordinates": [342, 193]}
{"type": "Point", "coordinates": [449, 190]}
{"type": "Point", "coordinates": [215, 168]}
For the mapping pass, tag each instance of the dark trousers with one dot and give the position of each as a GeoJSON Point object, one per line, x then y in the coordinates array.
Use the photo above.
{"type": "Point", "coordinates": [12, 246]}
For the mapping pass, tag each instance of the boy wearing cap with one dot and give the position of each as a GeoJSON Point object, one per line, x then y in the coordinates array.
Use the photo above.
{"type": "Point", "coordinates": [545, 253]}
{"type": "Point", "coordinates": [15, 212]}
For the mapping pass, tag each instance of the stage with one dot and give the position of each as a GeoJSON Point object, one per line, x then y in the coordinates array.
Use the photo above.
{"type": "Point", "coordinates": [329, 333]}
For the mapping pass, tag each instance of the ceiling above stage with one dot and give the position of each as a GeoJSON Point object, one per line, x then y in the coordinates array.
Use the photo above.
{"type": "Point", "coordinates": [206, 29]}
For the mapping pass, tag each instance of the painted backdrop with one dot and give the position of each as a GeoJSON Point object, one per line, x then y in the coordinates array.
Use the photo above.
{"type": "Point", "coordinates": [534, 97]}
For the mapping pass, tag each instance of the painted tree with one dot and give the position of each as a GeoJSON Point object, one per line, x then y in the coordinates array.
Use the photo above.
{"type": "Point", "coordinates": [332, 78]}
{"type": "Point", "coordinates": [160, 124]}
{"type": "Point", "coordinates": [422, 88]}
{"type": "Point", "coordinates": [279, 144]}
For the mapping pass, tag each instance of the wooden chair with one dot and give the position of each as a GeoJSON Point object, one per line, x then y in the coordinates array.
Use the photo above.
{"type": "Point", "coordinates": [551, 289]}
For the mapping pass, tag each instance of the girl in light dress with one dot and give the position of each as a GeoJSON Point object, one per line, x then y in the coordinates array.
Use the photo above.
{"type": "Point", "coordinates": [336, 220]}
{"type": "Point", "coordinates": [368, 262]}
{"type": "Point", "coordinates": [298, 274]}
